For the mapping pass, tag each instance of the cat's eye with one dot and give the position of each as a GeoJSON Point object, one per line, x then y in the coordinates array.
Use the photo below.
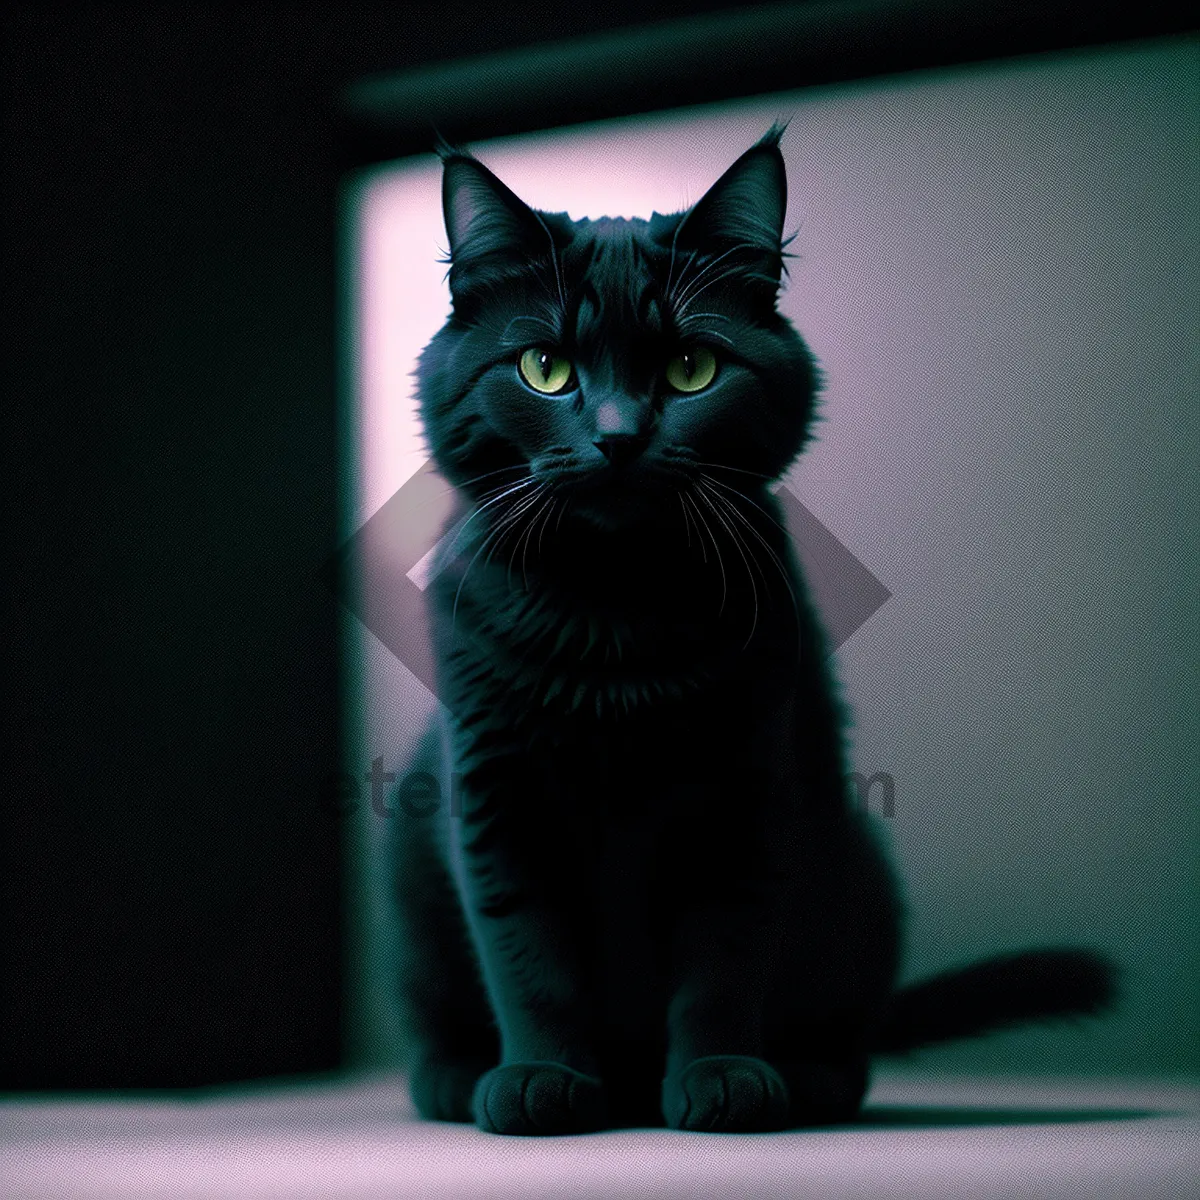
{"type": "Point", "coordinates": [544, 370]}
{"type": "Point", "coordinates": [692, 370]}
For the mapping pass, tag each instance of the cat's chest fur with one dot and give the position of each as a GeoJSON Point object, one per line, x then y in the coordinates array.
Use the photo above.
{"type": "Point", "coordinates": [590, 653]}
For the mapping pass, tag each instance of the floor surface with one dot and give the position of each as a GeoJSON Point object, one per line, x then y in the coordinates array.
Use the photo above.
{"type": "Point", "coordinates": [918, 1137]}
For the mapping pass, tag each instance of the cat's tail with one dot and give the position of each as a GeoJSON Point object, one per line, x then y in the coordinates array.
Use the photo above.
{"type": "Point", "coordinates": [1008, 990]}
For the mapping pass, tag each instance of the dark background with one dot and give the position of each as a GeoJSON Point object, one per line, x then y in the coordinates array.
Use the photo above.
{"type": "Point", "coordinates": [172, 900]}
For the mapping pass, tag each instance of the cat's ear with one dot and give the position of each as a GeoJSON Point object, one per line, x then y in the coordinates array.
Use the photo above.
{"type": "Point", "coordinates": [744, 210]}
{"type": "Point", "coordinates": [483, 216]}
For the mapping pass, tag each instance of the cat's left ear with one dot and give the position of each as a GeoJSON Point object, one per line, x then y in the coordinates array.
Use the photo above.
{"type": "Point", "coordinates": [745, 209]}
{"type": "Point", "coordinates": [483, 216]}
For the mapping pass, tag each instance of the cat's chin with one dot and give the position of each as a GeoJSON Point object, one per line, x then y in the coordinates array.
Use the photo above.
{"type": "Point", "coordinates": [625, 506]}
{"type": "Point", "coordinates": [615, 515]}
{"type": "Point", "coordinates": [608, 521]}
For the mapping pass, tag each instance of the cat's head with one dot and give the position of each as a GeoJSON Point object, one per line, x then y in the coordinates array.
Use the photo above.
{"type": "Point", "coordinates": [615, 360]}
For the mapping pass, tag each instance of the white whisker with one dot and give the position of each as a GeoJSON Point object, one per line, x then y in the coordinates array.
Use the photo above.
{"type": "Point", "coordinates": [779, 566]}
{"type": "Point", "coordinates": [722, 467]}
{"type": "Point", "coordinates": [717, 550]}
{"type": "Point", "coordinates": [542, 531]}
{"type": "Point", "coordinates": [687, 522]}
{"type": "Point", "coordinates": [509, 490]}
{"type": "Point", "coordinates": [505, 524]}
{"type": "Point", "coordinates": [737, 542]}
{"type": "Point", "coordinates": [523, 540]}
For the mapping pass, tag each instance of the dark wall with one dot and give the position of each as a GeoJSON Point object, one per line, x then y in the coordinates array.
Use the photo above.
{"type": "Point", "coordinates": [171, 891]}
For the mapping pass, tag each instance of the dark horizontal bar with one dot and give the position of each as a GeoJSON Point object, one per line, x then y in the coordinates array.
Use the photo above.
{"type": "Point", "coordinates": [713, 57]}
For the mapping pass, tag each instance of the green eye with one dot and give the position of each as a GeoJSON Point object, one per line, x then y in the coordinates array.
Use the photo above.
{"type": "Point", "coordinates": [693, 370]}
{"type": "Point", "coordinates": [544, 371]}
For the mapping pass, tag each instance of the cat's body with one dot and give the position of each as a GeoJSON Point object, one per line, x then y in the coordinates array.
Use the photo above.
{"type": "Point", "coordinates": [651, 899]}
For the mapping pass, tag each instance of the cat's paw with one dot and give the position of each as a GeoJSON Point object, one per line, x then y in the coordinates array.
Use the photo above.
{"type": "Point", "coordinates": [442, 1091]}
{"type": "Point", "coordinates": [539, 1098]}
{"type": "Point", "coordinates": [825, 1093]}
{"type": "Point", "coordinates": [726, 1093]}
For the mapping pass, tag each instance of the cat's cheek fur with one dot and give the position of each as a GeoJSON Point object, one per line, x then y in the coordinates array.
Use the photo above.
{"type": "Point", "coordinates": [524, 419]}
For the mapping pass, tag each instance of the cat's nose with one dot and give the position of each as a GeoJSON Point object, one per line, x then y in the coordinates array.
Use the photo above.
{"type": "Point", "coordinates": [621, 448]}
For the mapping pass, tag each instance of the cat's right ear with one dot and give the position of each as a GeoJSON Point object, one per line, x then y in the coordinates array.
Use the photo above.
{"type": "Point", "coordinates": [484, 218]}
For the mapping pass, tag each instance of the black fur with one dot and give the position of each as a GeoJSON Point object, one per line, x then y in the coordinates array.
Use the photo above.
{"type": "Point", "coordinates": [656, 903]}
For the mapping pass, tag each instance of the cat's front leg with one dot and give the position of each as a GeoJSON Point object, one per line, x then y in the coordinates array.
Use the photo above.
{"type": "Point", "coordinates": [716, 1076]}
{"type": "Point", "coordinates": [724, 954]}
{"type": "Point", "coordinates": [526, 937]}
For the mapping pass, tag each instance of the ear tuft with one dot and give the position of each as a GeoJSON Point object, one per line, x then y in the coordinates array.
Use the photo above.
{"type": "Point", "coordinates": [773, 136]}
{"type": "Point", "coordinates": [444, 149]}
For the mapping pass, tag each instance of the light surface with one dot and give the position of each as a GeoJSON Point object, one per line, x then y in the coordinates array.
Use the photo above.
{"type": "Point", "coordinates": [919, 1138]}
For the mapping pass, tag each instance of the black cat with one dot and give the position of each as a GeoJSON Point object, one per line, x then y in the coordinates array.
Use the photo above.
{"type": "Point", "coordinates": [655, 903]}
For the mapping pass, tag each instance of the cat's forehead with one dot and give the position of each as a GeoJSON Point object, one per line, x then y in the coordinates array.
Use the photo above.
{"type": "Point", "coordinates": [620, 231]}
{"type": "Point", "coordinates": [609, 248]}
{"type": "Point", "coordinates": [610, 227]}
{"type": "Point", "coordinates": [612, 273]}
